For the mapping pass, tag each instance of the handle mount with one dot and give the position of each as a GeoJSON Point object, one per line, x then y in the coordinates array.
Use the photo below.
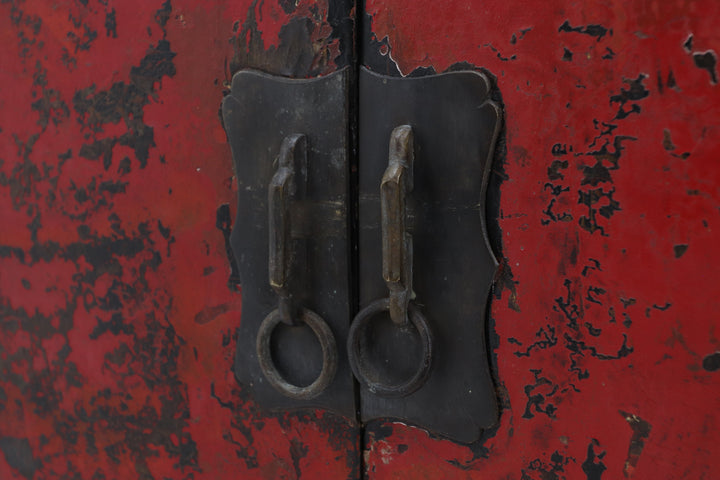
{"type": "Point", "coordinates": [397, 271]}
{"type": "Point", "coordinates": [288, 186]}
{"type": "Point", "coordinates": [397, 245]}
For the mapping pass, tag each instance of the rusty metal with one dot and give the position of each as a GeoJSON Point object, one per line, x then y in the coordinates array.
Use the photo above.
{"type": "Point", "coordinates": [270, 370]}
{"type": "Point", "coordinates": [376, 379]}
{"type": "Point", "coordinates": [440, 131]}
{"type": "Point", "coordinates": [397, 244]}
{"type": "Point", "coordinates": [290, 145]}
{"type": "Point", "coordinates": [288, 186]}
{"type": "Point", "coordinates": [397, 271]}
{"type": "Point", "coordinates": [454, 128]}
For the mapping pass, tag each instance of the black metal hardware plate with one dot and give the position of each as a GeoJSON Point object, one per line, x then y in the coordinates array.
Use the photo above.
{"type": "Point", "coordinates": [455, 127]}
{"type": "Point", "coordinates": [259, 113]}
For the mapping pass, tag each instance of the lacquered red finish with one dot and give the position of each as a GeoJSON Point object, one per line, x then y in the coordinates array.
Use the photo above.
{"type": "Point", "coordinates": [116, 318]}
{"type": "Point", "coordinates": [117, 306]}
{"type": "Point", "coordinates": [609, 224]}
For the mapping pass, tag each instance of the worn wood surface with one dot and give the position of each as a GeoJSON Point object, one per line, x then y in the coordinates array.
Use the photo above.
{"type": "Point", "coordinates": [118, 304]}
{"type": "Point", "coordinates": [605, 327]}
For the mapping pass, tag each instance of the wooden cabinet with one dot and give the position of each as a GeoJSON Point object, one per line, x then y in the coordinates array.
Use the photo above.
{"type": "Point", "coordinates": [119, 304]}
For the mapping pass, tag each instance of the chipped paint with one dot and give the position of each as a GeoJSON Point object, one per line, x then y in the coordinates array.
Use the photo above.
{"type": "Point", "coordinates": [118, 302]}
{"type": "Point", "coordinates": [606, 198]}
{"type": "Point", "coordinates": [116, 320]}
{"type": "Point", "coordinates": [641, 431]}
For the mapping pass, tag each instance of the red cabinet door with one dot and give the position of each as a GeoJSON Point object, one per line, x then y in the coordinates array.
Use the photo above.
{"type": "Point", "coordinates": [118, 305]}
{"type": "Point", "coordinates": [604, 331]}
{"type": "Point", "coordinates": [118, 302]}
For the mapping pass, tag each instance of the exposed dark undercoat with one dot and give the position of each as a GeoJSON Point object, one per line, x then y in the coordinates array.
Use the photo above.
{"type": "Point", "coordinates": [117, 324]}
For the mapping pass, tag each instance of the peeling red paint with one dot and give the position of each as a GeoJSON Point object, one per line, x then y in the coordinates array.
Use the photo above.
{"type": "Point", "coordinates": [607, 211]}
{"type": "Point", "coordinates": [116, 320]}
{"type": "Point", "coordinates": [118, 305]}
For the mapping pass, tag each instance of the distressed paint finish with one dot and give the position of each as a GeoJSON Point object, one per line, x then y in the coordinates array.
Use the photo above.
{"type": "Point", "coordinates": [118, 306]}
{"type": "Point", "coordinates": [605, 316]}
{"type": "Point", "coordinates": [117, 301]}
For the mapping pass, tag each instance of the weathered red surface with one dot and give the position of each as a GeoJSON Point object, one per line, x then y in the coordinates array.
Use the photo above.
{"type": "Point", "coordinates": [606, 315]}
{"type": "Point", "coordinates": [116, 314]}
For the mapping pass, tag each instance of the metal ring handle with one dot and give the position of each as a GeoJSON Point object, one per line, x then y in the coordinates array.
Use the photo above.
{"type": "Point", "coordinates": [356, 358]}
{"type": "Point", "coordinates": [327, 344]}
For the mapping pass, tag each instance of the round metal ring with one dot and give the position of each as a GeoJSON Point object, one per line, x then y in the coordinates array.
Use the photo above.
{"type": "Point", "coordinates": [329, 352]}
{"type": "Point", "coordinates": [356, 357]}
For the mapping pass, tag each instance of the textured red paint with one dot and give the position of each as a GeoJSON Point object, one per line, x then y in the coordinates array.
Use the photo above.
{"type": "Point", "coordinates": [666, 189]}
{"type": "Point", "coordinates": [116, 319]}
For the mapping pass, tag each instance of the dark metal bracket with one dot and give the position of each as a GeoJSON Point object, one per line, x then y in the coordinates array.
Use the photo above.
{"type": "Point", "coordinates": [417, 345]}
{"type": "Point", "coordinates": [429, 236]}
{"type": "Point", "coordinates": [290, 147]}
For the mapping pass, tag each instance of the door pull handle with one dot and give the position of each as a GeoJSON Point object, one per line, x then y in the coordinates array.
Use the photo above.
{"type": "Point", "coordinates": [286, 187]}
{"type": "Point", "coordinates": [397, 271]}
{"type": "Point", "coordinates": [381, 199]}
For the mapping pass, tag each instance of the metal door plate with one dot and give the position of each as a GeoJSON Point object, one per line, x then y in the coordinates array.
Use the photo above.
{"type": "Point", "coordinates": [455, 126]}
{"type": "Point", "coordinates": [259, 114]}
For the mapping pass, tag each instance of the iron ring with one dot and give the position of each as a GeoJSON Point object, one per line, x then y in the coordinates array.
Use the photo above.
{"type": "Point", "coordinates": [357, 362]}
{"type": "Point", "coordinates": [329, 352]}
